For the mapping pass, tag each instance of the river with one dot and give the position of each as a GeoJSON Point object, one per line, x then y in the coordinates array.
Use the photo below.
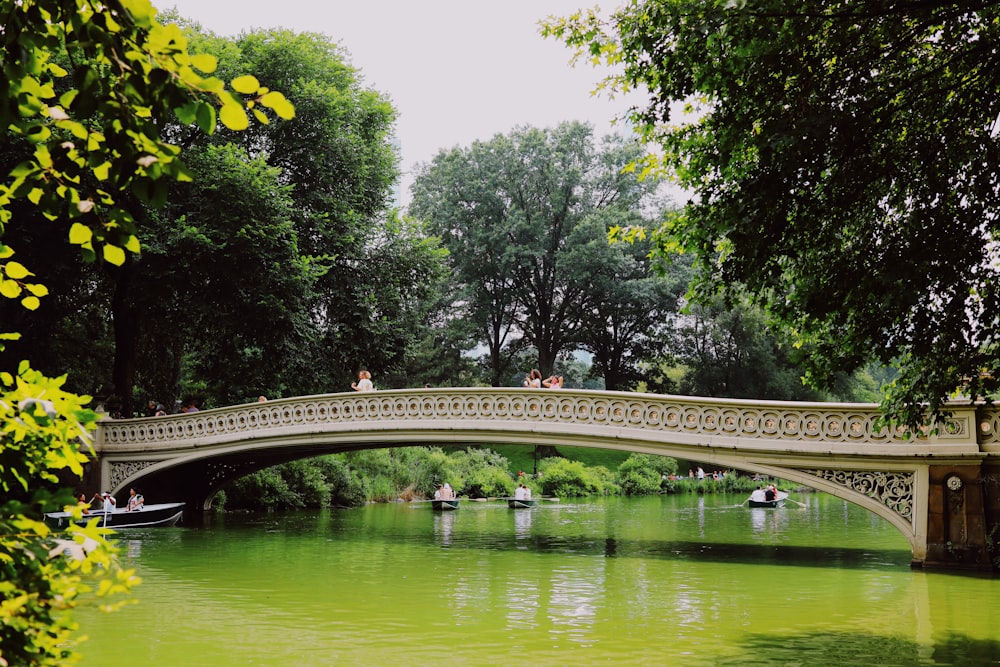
{"type": "Point", "coordinates": [678, 580]}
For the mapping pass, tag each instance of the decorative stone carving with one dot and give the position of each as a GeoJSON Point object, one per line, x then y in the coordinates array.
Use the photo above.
{"type": "Point", "coordinates": [122, 470]}
{"type": "Point", "coordinates": [895, 490]}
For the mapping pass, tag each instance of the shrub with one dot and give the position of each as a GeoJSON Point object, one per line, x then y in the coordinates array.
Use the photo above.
{"type": "Point", "coordinates": [644, 474]}
{"type": "Point", "coordinates": [565, 478]}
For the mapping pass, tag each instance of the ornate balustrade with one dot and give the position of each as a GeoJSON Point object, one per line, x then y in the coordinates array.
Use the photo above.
{"type": "Point", "coordinates": [654, 418]}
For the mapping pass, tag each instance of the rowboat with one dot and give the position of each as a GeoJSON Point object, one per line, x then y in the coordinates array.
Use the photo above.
{"type": "Point", "coordinates": [444, 504]}
{"type": "Point", "coordinates": [149, 516]}
{"type": "Point", "coordinates": [520, 503]}
{"type": "Point", "coordinates": [777, 502]}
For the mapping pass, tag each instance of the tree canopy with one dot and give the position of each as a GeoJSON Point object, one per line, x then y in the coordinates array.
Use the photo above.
{"type": "Point", "coordinates": [842, 160]}
{"type": "Point", "coordinates": [519, 215]}
{"type": "Point", "coordinates": [276, 268]}
{"type": "Point", "coordinates": [87, 88]}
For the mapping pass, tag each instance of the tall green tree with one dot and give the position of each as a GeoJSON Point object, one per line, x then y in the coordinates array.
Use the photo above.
{"type": "Point", "coordinates": [843, 157]}
{"type": "Point", "coordinates": [510, 212]}
{"type": "Point", "coordinates": [223, 288]}
{"type": "Point", "coordinates": [280, 270]}
{"type": "Point", "coordinates": [94, 129]}
{"type": "Point", "coordinates": [628, 310]}
{"type": "Point", "coordinates": [728, 352]}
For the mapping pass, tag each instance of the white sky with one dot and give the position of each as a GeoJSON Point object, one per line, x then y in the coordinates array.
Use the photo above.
{"type": "Point", "coordinates": [456, 71]}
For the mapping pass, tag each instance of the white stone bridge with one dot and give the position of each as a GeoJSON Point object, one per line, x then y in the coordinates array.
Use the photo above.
{"type": "Point", "coordinates": [940, 489]}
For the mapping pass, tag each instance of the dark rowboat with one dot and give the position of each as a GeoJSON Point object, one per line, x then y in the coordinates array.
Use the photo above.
{"type": "Point", "coordinates": [520, 503]}
{"type": "Point", "coordinates": [444, 505]}
{"type": "Point", "coordinates": [150, 516]}
{"type": "Point", "coordinates": [777, 502]}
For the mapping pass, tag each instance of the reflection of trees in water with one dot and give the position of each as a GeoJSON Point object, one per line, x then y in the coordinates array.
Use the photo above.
{"type": "Point", "coordinates": [850, 648]}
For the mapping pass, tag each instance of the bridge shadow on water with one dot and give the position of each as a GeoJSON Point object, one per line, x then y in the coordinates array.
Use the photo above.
{"type": "Point", "coordinates": [748, 554]}
{"type": "Point", "coordinates": [847, 649]}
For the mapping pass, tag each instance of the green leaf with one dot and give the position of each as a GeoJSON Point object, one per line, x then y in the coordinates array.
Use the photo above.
{"type": "Point", "coordinates": [281, 106]}
{"type": "Point", "coordinates": [9, 289]}
{"type": "Point", "coordinates": [206, 117]}
{"type": "Point", "coordinates": [204, 62]}
{"type": "Point", "coordinates": [234, 117]}
{"type": "Point", "coordinates": [246, 84]}
{"type": "Point", "coordinates": [80, 234]}
{"type": "Point", "coordinates": [16, 270]}
{"type": "Point", "coordinates": [114, 255]}
{"type": "Point", "coordinates": [188, 113]}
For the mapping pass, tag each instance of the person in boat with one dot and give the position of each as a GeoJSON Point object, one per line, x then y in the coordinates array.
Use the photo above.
{"type": "Point", "coordinates": [448, 493]}
{"type": "Point", "coordinates": [439, 492]}
{"type": "Point", "coordinates": [758, 495]}
{"type": "Point", "coordinates": [135, 500]}
{"type": "Point", "coordinates": [527, 493]}
{"type": "Point", "coordinates": [519, 492]}
{"type": "Point", "coordinates": [771, 493]}
{"type": "Point", "coordinates": [83, 501]}
{"type": "Point", "coordinates": [107, 500]}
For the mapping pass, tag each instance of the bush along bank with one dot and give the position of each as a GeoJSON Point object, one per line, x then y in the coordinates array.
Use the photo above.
{"type": "Point", "coordinates": [412, 473]}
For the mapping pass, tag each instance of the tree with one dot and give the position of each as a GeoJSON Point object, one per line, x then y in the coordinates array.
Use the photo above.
{"type": "Point", "coordinates": [278, 270]}
{"type": "Point", "coordinates": [729, 353]}
{"type": "Point", "coordinates": [510, 212]}
{"type": "Point", "coordinates": [842, 160]}
{"type": "Point", "coordinates": [222, 288]}
{"type": "Point", "coordinates": [95, 135]}
{"type": "Point", "coordinates": [628, 310]}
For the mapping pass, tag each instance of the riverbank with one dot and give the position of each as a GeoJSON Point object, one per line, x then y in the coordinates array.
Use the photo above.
{"type": "Point", "coordinates": [412, 473]}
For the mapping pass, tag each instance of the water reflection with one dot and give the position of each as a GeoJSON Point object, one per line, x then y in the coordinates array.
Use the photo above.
{"type": "Point", "coordinates": [444, 526]}
{"type": "Point", "coordinates": [522, 525]}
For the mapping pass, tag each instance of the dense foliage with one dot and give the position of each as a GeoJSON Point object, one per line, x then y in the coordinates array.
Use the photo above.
{"type": "Point", "coordinates": [843, 163]}
{"type": "Point", "coordinates": [86, 91]}
{"type": "Point", "coordinates": [525, 218]}
{"type": "Point", "coordinates": [278, 270]}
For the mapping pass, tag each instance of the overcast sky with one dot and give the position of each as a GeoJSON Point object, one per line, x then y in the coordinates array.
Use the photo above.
{"type": "Point", "coordinates": [455, 70]}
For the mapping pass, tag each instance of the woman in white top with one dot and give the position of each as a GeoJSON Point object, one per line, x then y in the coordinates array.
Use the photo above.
{"type": "Point", "coordinates": [364, 382]}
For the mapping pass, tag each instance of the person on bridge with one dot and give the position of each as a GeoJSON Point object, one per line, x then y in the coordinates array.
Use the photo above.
{"type": "Point", "coordinates": [364, 382]}
{"type": "Point", "coordinates": [534, 379]}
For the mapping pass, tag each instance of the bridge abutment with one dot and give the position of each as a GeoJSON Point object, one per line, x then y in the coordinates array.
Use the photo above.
{"type": "Point", "coordinates": [958, 518]}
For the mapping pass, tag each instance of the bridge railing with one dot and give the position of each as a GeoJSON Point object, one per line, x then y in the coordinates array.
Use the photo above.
{"type": "Point", "coordinates": [651, 417]}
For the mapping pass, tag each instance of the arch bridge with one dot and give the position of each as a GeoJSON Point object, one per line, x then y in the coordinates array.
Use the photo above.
{"type": "Point", "coordinates": [941, 489]}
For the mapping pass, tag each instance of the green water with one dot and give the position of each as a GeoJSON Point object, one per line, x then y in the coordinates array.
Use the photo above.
{"type": "Point", "coordinates": [651, 581]}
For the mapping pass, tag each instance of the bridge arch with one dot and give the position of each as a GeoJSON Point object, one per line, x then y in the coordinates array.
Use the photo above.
{"type": "Point", "coordinates": [841, 449]}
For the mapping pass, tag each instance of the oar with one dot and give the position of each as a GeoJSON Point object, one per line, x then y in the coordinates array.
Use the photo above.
{"type": "Point", "coordinates": [797, 503]}
{"type": "Point", "coordinates": [550, 499]}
